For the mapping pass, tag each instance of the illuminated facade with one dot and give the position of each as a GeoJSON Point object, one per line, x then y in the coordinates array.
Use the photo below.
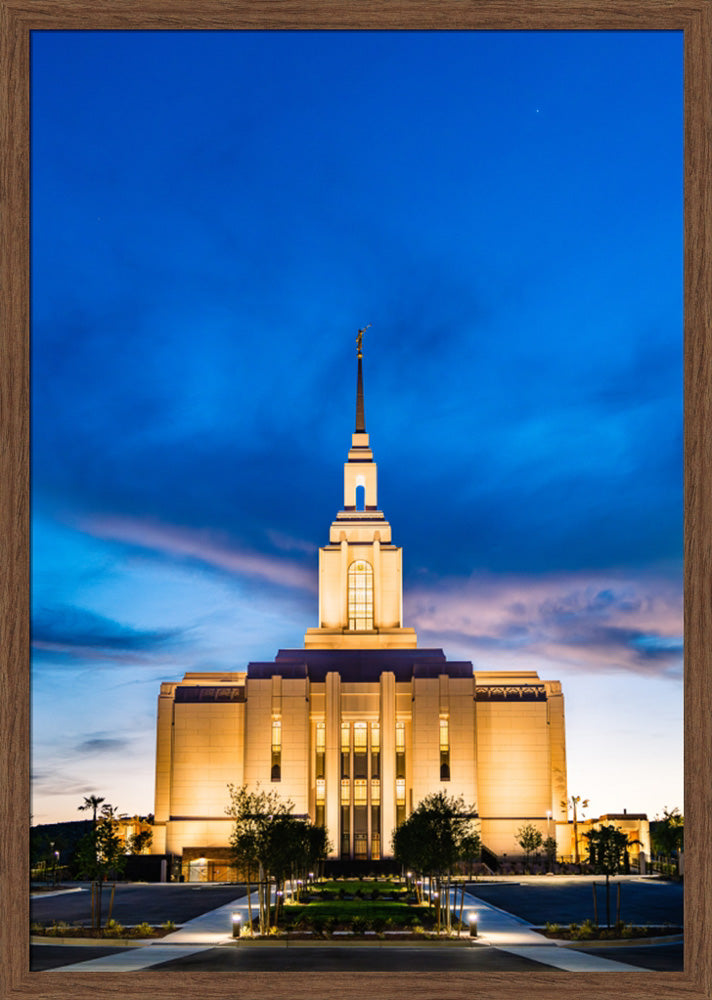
{"type": "Point", "coordinates": [360, 724]}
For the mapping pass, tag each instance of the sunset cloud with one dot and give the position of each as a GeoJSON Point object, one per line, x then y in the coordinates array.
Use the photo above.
{"type": "Point", "coordinates": [577, 621]}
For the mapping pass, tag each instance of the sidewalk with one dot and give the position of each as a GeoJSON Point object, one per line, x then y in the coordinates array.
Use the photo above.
{"type": "Point", "coordinates": [200, 934]}
{"type": "Point", "coordinates": [511, 934]}
{"type": "Point", "coordinates": [497, 928]}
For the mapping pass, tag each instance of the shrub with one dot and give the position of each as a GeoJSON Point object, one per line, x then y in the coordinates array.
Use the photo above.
{"type": "Point", "coordinates": [359, 925]}
{"type": "Point", "coordinates": [317, 925]}
{"type": "Point", "coordinates": [375, 893]}
{"type": "Point", "coordinates": [143, 929]}
{"type": "Point", "coordinates": [627, 931]}
{"type": "Point", "coordinates": [113, 929]}
{"type": "Point", "coordinates": [330, 925]}
{"type": "Point", "coordinates": [552, 928]}
{"type": "Point", "coordinates": [586, 930]}
{"type": "Point", "coordinates": [378, 924]}
{"type": "Point", "coordinates": [168, 925]}
{"type": "Point", "coordinates": [574, 930]}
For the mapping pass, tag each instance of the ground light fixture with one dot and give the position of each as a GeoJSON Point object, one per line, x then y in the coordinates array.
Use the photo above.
{"type": "Point", "coordinates": [472, 921]}
{"type": "Point", "coordinates": [236, 924]}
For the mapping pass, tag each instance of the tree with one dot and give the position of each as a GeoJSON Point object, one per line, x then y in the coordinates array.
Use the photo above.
{"type": "Point", "coordinates": [550, 848]}
{"type": "Point", "coordinates": [91, 802]}
{"type": "Point", "coordinates": [572, 804]}
{"type": "Point", "coordinates": [100, 855]}
{"type": "Point", "coordinates": [529, 839]}
{"type": "Point", "coordinates": [667, 833]}
{"type": "Point", "coordinates": [440, 834]}
{"type": "Point", "coordinates": [139, 842]}
{"type": "Point", "coordinates": [271, 845]}
{"type": "Point", "coordinates": [607, 847]}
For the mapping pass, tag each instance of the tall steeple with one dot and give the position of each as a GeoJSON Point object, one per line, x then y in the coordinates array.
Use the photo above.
{"type": "Point", "coordinates": [360, 570]}
{"type": "Point", "coordinates": [360, 420]}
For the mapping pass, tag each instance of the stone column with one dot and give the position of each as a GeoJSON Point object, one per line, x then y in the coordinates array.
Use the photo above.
{"type": "Point", "coordinates": [377, 582]}
{"type": "Point", "coordinates": [344, 581]}
{"type": "Point", "coordinates": [333, 749]}
{"type": "Point", "coordinates": [388, 760]}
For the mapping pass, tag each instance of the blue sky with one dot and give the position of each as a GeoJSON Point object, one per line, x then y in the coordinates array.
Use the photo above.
{"type": "Point", "coordinates": [213, 217]}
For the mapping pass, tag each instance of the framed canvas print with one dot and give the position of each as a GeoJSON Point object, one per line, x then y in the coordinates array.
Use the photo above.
{"type": "Point", "coordinates": [345, 351]}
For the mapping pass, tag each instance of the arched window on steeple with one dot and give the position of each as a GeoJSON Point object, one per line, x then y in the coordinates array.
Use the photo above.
{"type": "Point", "coordinates": [360, 596]}
{"type": "Point", "coordinates": [360, 497]}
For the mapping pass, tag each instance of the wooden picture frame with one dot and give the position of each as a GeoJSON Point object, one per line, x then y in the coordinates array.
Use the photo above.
{"type": "Point", "coordinates": [18, 19]}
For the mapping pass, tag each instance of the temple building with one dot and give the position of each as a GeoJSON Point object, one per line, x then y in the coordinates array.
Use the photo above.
{"type": "Point", "coordinates": [359, 724]}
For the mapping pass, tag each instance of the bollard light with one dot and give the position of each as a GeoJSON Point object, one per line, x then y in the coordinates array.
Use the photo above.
{"type": "Point", "coordinates": [472, 920]}
{"type": "Point", "coordinates": [236, 924]}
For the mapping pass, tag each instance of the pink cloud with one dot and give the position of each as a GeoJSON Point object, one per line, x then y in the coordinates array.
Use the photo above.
{"type": "Point", "coordinates": [182, 543]}
{"type": "Point", "coordinates": [577, 621]}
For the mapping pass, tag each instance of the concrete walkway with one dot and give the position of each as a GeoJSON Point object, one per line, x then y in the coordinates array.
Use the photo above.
{"type": "Point", "coordinates": [505, 932]}
{"type": "Point", "coordinates": [206, 931]}
{"type": "Point", "coordinates": [497, 928]}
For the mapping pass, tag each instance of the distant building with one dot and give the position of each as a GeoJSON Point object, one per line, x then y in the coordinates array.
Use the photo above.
{"type": "Point", "coordinates": [634, 825]}
{"type": "Point", "coordinates": [358, 725]}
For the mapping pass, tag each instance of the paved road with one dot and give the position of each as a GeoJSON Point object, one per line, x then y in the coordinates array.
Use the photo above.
{"type": "Point", "coordinates": [565, 900]}
{"type": "Point", "coordinates": [657, 958]}
{"type": "Point", "coordinates": [508, 943]}
{"type": "Point", "coordinates": [136, 902]}
{"type": "Point", "coordinates": [51, 956]}
{"type": "Point", "coordinates": [345, 960]}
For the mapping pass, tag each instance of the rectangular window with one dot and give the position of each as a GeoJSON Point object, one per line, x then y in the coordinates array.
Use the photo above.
{"type": "Point", "coordinates": [345, 832]}
{"type": "Point", "coordinates": [360, 791]}
{"type": "Point", "coordinates": [320, 791]}
{"type": "Point", "coordinates": [400, 737]}
{"type": "Point", "coordinates": [320, 747]}
{"type": "Point", "coordinates": [345, 737]}
{"type": "Point", "coordinates": [360, 750]}
{"type": "Point", "coordinates": [345, 792]}
{"type": "Point", "coordinates": [444, 734]}
{"type": "Point", "coordinates": [375, 750]}
{"type": "Point", "coordinates": [400, 801]}
{"type": "Point", "coordinates": [276, 769]}
{"type": "Point", "coordinates": [444, 749]}
{"type": "Point", "coordinates": [400, 750]}
{"type": "Point", "coordinates": [400, 791]}
{"type": "Point", "coordinates": [375, 791]}
{"type": "Point", "coordinates": [375, 828]}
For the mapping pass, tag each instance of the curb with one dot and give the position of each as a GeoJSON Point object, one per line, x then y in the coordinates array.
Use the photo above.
{"type": "Point", "coordinates": [378, 943]}
{"type": "Point", "coordinates": [73, 942]}
{"type": "Point", "coordinates": [631, 942]}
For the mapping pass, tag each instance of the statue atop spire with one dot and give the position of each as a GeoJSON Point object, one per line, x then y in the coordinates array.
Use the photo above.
{"type": "Point", "coordinates": [360, 420]}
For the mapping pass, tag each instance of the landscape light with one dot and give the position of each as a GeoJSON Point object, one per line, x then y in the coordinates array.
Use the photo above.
{"type": "Point", "coordinates": [236, 924]}
{"type": "Point", "coordinates": [472, 920]}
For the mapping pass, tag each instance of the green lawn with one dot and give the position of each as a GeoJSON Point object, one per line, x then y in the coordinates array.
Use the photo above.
{"type": "Point", "coordinates": [366, 886]}
{"type": "Point", "coordinates": [343, 911]}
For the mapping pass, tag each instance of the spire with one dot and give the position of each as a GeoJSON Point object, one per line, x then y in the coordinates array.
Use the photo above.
{"type": "Point", "coordinates": [360, 420]}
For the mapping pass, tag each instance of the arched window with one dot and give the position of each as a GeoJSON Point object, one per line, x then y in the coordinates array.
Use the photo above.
{"type": "Point", "coordinates": [360, 596]}
{"type": "Point", "coordinates": [360, 497]}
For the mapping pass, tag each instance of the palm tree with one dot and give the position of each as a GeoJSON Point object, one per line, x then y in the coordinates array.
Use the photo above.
{"type": "Point", "coordinates": [573, 802]}
{"type": "Point", "coordinates": [91, 802]}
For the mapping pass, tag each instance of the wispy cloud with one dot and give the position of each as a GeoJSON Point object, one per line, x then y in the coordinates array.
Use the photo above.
{"type": "Point", "coordinates": [204, 547]}
{"type": "Point", "coordinates": [576, 621]}
{"type": "Point", "coordinates": [100, 745]}
{"type": "Point", "coordinates": [70, 633]}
